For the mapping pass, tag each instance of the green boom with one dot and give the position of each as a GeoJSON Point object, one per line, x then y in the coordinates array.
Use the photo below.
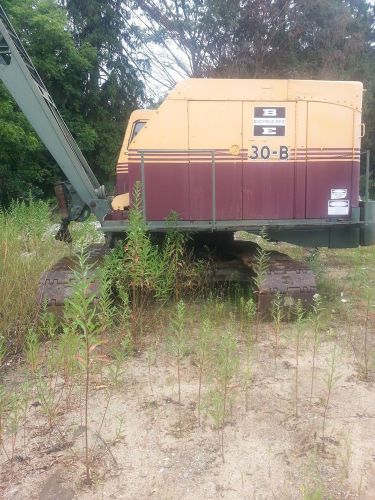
{"type": "Point", "coordinates": [23, 82]}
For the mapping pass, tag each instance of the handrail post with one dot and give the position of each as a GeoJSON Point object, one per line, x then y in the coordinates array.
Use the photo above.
{"type": "Point", "coordinates": [143, 184]}
{"type": "Point", "coordinates": [213, 168]}
{"type": "Point", "coordinates": [367, 175]}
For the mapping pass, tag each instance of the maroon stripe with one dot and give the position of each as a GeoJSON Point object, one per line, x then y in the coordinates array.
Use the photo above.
{"type": "Point", "coordinates": [325, 149]}
{"type": "Point", "coordinates": [329, 157]}
{"type": "Point", "coordinates": [183, 155]}
{"type": "Point", "coordinates": [325, 157]}
{"type": "Point", "coordinates": [327, 154]}
{"type": "Point", "coordinates": [331, 149]}
{"type": "Point", "coordinates": [186, 157]}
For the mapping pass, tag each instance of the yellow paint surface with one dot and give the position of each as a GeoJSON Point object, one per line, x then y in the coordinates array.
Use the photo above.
{"type": "Point", "coordinates": [219, 114]}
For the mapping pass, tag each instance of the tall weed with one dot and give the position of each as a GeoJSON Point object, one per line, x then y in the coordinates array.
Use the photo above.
{"type": "Point", "coordinates": [224, 366]}
{"type": "Point", "coordinates": [83, 319]}
{"type": "Point", "coordinates": [152, 269]}
{"type": "Point", "coordinates": [27, 249]}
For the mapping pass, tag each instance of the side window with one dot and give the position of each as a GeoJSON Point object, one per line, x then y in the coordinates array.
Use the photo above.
{"type": "Point", "coordinates": [137, 127]}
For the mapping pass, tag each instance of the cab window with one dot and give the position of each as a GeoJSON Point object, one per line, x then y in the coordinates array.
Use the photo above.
{"type": "Point", "coordinates": [137, 127]}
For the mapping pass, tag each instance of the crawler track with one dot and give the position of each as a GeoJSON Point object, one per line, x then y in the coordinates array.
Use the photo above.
{"type": "Point", "coordinates": [56, 284]}
{"type": "Point", "coordinates": [233, 261]}
{"type": "Point", "coordinates": [292, 279]}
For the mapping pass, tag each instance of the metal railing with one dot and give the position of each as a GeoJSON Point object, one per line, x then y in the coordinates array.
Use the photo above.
{"type": "Point", "coordinates": [367, 178]}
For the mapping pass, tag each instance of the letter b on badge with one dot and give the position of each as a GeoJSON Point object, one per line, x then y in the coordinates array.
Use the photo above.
{"type": "Point", "coordinates": [269, 112]}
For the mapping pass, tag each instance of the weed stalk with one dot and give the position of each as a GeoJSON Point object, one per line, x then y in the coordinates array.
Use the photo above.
{"type": "Point", "coordinates": [330, 379]}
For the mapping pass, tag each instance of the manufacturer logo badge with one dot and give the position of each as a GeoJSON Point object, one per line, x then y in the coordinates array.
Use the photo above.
{"type": "Point", "coordinates": [269, 121]}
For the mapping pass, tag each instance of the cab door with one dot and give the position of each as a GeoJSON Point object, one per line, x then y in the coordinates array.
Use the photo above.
{"type": "Point", "coordinates": [215, 126]}
{"type": "Point", "coordinates": [331, 176]}
{"type": "Point", "coordinates": [269, 160]}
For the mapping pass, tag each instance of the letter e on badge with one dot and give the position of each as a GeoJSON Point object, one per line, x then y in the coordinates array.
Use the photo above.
{"type": "Point", "coordinates": [269, 131]}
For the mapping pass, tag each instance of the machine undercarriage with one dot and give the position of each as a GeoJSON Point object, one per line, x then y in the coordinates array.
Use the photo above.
{"type": "Point", "coordinates": [231, 260]}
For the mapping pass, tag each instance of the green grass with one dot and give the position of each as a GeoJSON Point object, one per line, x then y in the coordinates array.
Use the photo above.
{"type": "Point", "coordinates": [27, 248]}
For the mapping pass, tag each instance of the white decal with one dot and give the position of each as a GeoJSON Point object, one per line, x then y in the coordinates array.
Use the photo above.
{"type": "Point", "coordinates": [338, 207]}
{"type": "Point", "coordinates": [338, 194]}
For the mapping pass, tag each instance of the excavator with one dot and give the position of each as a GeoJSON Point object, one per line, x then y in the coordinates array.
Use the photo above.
{"type": "Point", "coordinates": [273, 157]}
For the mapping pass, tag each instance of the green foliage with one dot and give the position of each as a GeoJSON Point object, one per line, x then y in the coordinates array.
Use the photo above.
{"type": "Point", "coordinates": [226, 361]}
{"type": "Point", "coordinates": [106, 306]}
{"type": "Point", "coordinates": [173, 262]}
{"type": "Point", "coordinates": [78, 312]}
{"type": "Point", "coordinates": [77, 48]}
{"type": "Point", "coordinates": [277, 313]}
{"type": "Point", "coordinates": [124, 310]}
{"type": "Point", "coordinates": [141, 259]}
{"type": "Point", "coordinates": [82, 318]}
{"type": "Point", "coordinates": [317, 321]}
{"type": "Point", "coordinates": [223, 368]}
{"type": "Point", "coordinates": [250, 312]}
{"type": "Point", "coordinates": [68, 347]}
{"type": "Point", "coordinates": [27, 249]}
{"type": "Point", "coordinates": [298, 333]}
{"type": "Point", "coordinates": [262, 259]}
{"type": "Point", "coordinates": [204, 342]}
{"type": "Point", "coordinates": [203, 348]}
{"type": "Point", "coordinates": [178, 344]}
{"type": "Point", "coordinates": [23, 164]}
{"type": "Point", "coordinates": [119, 355]}
{"type": "Point", "coordinates": [330, 378]}
{"type": "Point", "coordinates": [46, 395]}
{"type": "Point", "coordinates": [152, 270]}
{"type": "Point", "coordinates": [4, 404]}
{"type": "Point", "coordinates": [313, 486]}
{"type": "Point", "coordinates": [214, 402]}
{"type": "Point", "coordinates": [3, 350]}
{"type": "Point", "coordinates": [48, 326]}
{"type": "Point", "coordinates": [32, 350]}
{"type": "Point", "coordinates": [85, 233]}
{"type": "Point", "coordinates": [178, 340]}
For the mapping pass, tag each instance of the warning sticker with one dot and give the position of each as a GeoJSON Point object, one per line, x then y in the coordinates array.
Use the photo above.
{"type": "Point", "coordinates": [338, 207]}
{"type": "Point", "coordinates": [338, 194]}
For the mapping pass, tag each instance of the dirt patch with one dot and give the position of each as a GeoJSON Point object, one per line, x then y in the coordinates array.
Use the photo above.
{"type": "Point", "coordinates": [149, 446]}
{"type": "Point", "coordinates": [54, 489]}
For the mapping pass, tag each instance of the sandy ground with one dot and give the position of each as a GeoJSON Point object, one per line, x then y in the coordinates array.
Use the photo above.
{"type": "Point", "coordinates": [268, 451]}
{"type": "Point", "coordinates": [149, 446]}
